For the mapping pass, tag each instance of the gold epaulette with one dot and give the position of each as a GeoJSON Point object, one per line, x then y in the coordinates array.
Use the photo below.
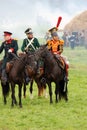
{"type": "Point", "coordinates": [61, 42]}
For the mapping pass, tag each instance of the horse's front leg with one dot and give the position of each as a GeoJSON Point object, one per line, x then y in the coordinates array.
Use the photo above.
{"type": "Point", "coordinates": [24, 90]}
{"type": "Point", "coordinates": [20, 91]}
{"type": "Point", "coordinates": [13, 95]}
{"type": "Point", "coordinates": [31, 88]}
{"type": "Point", "coordinates": [50, 92]}
{"type": "Point", "coordinates": [5, 101]}
{"type": "Point", "coordinates": [57, 94]}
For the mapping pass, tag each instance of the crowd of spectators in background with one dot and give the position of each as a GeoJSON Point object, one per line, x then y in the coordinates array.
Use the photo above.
{"type": "Point", "coordinates": [72, 39]}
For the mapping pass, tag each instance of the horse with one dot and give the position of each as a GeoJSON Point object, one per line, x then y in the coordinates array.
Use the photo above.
{"type": "Point", "coordinates": [15, 73]}
{"type": "Point", "coordinates": [33, 75]}
{"type": "Point", "coordinates": [53, 72]}
{"type": "Point", "coordinates": [5, 87]}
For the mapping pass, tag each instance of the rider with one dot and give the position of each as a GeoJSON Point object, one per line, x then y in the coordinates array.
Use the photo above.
{"type": "Point", "coordinates": [31, 44]}
{"type": "Point", "coordinates": [56, 46]}
{"type": "Point", "coordinates": [9, 46]}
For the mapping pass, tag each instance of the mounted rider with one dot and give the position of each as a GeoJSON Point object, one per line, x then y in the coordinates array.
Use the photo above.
{"type": "Point", "coordinates": [9, 46]}
{"type": "Point", "coordinates": [30, 44]}
{"type": "Point", "coordinates": [56, 46]}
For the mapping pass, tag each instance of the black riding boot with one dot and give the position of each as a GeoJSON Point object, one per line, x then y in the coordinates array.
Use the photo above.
{"type": "Point", "coordinates": [4, 76]}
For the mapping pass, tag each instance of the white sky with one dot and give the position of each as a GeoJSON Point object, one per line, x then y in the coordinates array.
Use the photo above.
{"type": "Point", "coordinates": [17, 15]}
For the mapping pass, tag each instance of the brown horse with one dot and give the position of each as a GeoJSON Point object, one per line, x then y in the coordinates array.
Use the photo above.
{"type": "Point", "coordinates": [6, 87]}
{"type": "Point", "coordinates": [15, 72]}
{"type": "Point", "coordinates": [53, 73]}
{"type": "Point", "coordinates": [32, 73]}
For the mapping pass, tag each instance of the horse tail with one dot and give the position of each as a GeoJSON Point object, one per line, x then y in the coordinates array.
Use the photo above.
{"type": "Point", "coordinates": [5, 89]}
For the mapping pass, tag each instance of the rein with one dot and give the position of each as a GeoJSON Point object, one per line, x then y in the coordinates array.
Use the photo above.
{"type": "Point", "coordinates": [21, 60]}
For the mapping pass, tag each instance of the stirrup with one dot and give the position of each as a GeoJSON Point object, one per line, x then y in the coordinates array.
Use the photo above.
{"type": "Point", "coordinates": [43, 80]}
{"type": "Point", "coordinates": [66, 79]}
{"type": "Point", "coordinates": [27, 80]}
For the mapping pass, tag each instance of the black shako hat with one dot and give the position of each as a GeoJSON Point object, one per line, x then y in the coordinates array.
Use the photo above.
{"type": "Point", "coordinates": [28, 31]}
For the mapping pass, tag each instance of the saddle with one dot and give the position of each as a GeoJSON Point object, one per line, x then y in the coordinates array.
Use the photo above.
{"type": "Point", "coordinates": [9, 66]}
{"type": "Point", "coordinates": [60, 61]}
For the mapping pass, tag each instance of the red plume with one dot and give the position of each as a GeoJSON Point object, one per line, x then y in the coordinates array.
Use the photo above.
{"type": "Point", "coordinates": [58, 22]}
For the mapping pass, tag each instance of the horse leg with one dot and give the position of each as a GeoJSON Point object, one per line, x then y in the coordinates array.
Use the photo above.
{"type": "Point", "coordinates": [50, 92]}
{"type": "Point", "coordinates": [40, 90]}
{"type": "Point", "coordinates": [4, 95]}
{"type": "Point", "coordinates": [20, 89]}
{"type": "Point", "coordinates": [13, 95]}
{"type": "Point", "coordinates": [5, 91]}
{"type": "Point", "coordinates": [5, 101]}
{"type": "Point", "coordinates": [24, 89]}
{"type": "Point", "coordinates": [65, 91]}
{"type": "Point", "coordinates": [31, 89]}
{"type": "Point", "coordinates": [57, 93]}
{"type": "Point", "coordinates": [44, 90]}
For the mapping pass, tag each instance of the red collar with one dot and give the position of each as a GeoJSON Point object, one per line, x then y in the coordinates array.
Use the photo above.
{"type": "Point", "coordinates": [9, 41]}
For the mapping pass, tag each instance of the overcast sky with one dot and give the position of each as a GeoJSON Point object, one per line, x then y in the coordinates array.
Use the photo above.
{"type": "Point", "coordinates": [40, 15]}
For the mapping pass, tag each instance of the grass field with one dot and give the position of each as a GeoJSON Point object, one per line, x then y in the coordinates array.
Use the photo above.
{"type": "Point", "coordinates": [38, 114]}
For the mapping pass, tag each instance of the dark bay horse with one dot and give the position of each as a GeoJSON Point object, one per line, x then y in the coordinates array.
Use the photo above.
{"type": "Point", "coordinates": [15, 76]}
{"type": "Point", "coordinates": [53, 73]}
{"type": "Point", "coordinates": [31, 69]}
{"type": "Point", "coordinates": [5, 87]}
{"type": "Point", "coordinates": [32, 66]}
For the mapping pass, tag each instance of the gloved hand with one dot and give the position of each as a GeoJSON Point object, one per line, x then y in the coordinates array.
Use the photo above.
{"type": "Point", "coordinates": [26, 50]}
{"type": "Point", "coordinates": [10, 50]}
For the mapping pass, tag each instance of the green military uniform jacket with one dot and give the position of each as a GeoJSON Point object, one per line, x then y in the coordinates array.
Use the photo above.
{"type": "Point", "coordinates": [6, 46]}
{"type": "Point", "coordinates": [35, 44]}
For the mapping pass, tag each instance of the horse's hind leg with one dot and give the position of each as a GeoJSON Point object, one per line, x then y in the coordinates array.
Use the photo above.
{"type": "Point", "coordinates": [57, 93]}
{"type": "Point", "coordinates": [5, 91]}
{"type": "Point", "coordinates": [65, 92]}
{"type": "Point", "coordinates": [12, 96]}
{"type": "Point", "coordinates": [20, 89]}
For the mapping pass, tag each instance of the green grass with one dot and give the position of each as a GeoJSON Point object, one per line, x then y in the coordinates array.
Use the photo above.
{"type": "Point", "coordinates": [38, 114]}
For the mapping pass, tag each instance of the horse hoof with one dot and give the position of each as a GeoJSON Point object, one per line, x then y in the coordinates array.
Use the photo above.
{"type": "Point", "coordinates": [24, 96]}
{"type": "Point", "coordinates": [5, 103]}
{"type": "Point", "coordinates": [56, 101]}
{"type": "Point", "coordinates": [12, 106]}
{"type": "Point", "coordinates": [66, 99]}
{"type": "Point", "coordinates": [20, 105]}
{"type": "Point", "coordinates": [51, 102]}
